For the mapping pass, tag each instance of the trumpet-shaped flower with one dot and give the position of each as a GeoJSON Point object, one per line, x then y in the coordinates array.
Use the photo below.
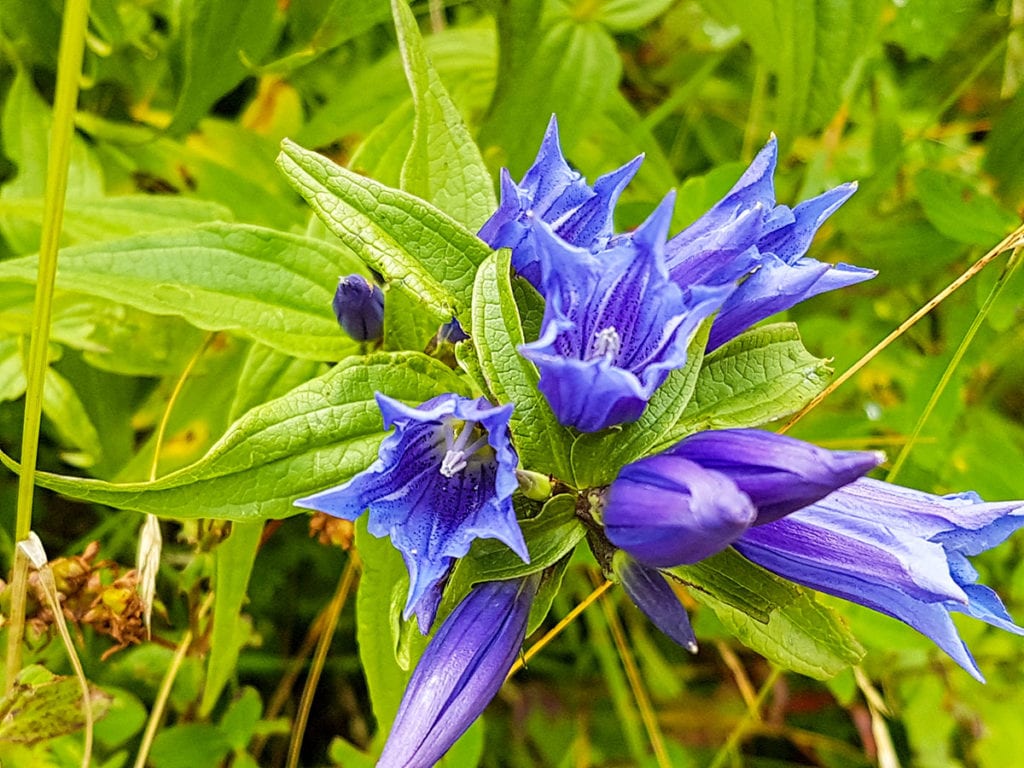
{"type": "Point", "coordinates": [898, 551]}
{"type": "Point", "coordinates": [747, 236]}
{"type": "Point", "coordinates": [443, 478]}
{"type": "Point", "coordinates": [553, 193]}
{"type": "Point", "coordinates": [702, 494]}
{"type": "Point", "coordinates": [614, 324]}
{"type": "Point", "coordinates": [461, 670]}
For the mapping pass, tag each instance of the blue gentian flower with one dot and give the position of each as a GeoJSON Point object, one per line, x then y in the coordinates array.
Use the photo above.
{"type": "Point", "coordinates": [614, 325]}
{"type": "Point", "coordinates": [650, 593]}
{"type": "Point", "coordinates": [895, 550]}
{"type": "Point", "coordinates": [747, 236]}
{"type": "Point", "coordinates": [359, 306]}
{"type": "Point", "coordinates": [461, 670]}
{"type": "Point", "coordinates": [443, 478]}
{"type": "Point", "coordinates": [553, 193]}
{"type": "Point", "coordinates": [701, 495]}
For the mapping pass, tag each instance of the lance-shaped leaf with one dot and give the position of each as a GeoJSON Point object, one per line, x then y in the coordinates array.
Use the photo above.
{"type": "Point", "coordinates": [273, 287]}
{"type": "Point", "coordinates": [318, 435]}
{"type": "Point", "coordinates": [417, 248]}
{"type": "Point", "coordinates": [444, 164]}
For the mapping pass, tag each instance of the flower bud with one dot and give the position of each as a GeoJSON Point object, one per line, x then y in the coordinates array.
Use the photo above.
{"type": "Point", "coordinates": [359, 306]}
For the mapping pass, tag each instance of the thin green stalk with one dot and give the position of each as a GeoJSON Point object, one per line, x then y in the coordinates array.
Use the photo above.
{"type": "Point", "coordinates": [954, 363]}
{"type": "Point", "coordinates": [752, 717]}
{"type": "Point", "coordinates": [69, 69]}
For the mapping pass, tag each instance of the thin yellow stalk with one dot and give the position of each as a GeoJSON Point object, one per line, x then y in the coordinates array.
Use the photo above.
{"type": "Point", "coordinates": [69, 69]}
{"type": "Point", "coordinates": [743, 726]}
{"type": "Point", "coordinates": [555, 631]}
{"type": "Point", "coordinates": [954, 363]}
{"type": "Point", "coordinates": [1011, 241]}
{"type": "Point", "coordinates": [163, 695]}
{"type": "Point", "coordinates": [636, 684]}
{"type": "Point", "coordinates": [320, 657]}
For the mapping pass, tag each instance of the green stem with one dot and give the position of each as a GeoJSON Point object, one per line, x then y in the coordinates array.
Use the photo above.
{"type": "Point", "coordinates": [954, 363]}
{"type": "Point", "coordinates": [69, 69]}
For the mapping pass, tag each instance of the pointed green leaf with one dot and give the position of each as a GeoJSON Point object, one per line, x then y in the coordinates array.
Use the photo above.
{"type": "Point", "coordinates": [778, 619]}
{"type": "Point", "coordinates": [233, 559]}
{"type": "Point", "coordinates": [763, 375]}
{"type": "Point", "coordinates": [416, 247]}
{"type": "Point", "coordinates": [444, 165]}
{"type": "Point", "coordinates": [316, 436]}
{"type": "Point", "coordinates": [273, 287]}
{"type": "Point", "coordinates": [543, 444]}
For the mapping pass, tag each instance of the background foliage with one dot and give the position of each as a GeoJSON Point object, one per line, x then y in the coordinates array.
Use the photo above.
{"type": "Point", "coordinates": [183, 108]}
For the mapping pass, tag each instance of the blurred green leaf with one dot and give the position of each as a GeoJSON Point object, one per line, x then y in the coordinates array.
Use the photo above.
{"type": "Point", "coordinates": [218, 43]}
{"type": "Point", "coordinates": [443, 166]}
{"type": "Point", "coordinates": [41, 705]}
{"type": "Point", "coordinates": [961, 211]}
{"type": "Point", "coordinates": [234, 559]}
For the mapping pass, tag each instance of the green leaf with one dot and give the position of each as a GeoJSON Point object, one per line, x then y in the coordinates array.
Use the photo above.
{"type": "Point", "coordinates": [543, 444]}
{"type": "Point", "coordinates": [762, 375]}
{"type": "Point", "coordinates": [316, 436]}
{"type": "Point", "coordinates": [65, 410]}
{"type": "Point", "coordinates": [579, 66]}
{"type": "Point", "coordinates": [41, 706]}
{"type": "Point", "coordinates": [233, 560]}
{"type": "Point", "coordinates": [12, 370]}
{"type": "Point", "coordinates": [269, 286]}
{"type": "Point", "coordinates": [812, 47]}
{"type": "Point", "coordinates": [417, 248]}
{"type": "Point", "coordinates": [598, 457]}
{"type": "Point", "coordinates": [109, 218]}
{"type": "Point", "coordinates": [382, 587]}
{"type": "Point", "coordinates": [267, 374]}
{"type": "Point", "coordinates": [961, 211]}
{"type": "Point", "coordinates": [628, 15]}
{"type": "Point", "coordinates": [778, 619]}
{"type": "Point", "coordinates": [189, 745]}
{"type": "Point", "coordinates": [218, 40]}
{"type": "Point", "coordinates": [444, 165]}
{"type": "Point", "coordinates": [550, 536]}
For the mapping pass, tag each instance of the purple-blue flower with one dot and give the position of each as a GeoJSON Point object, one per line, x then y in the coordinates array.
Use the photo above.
{"type": "Point", "coordinates": [359, 306]}
{"type": "Point", "coordinates": [896, 550]}
{"type": "Point", "coordinates": [650, 593]}
{"type": "Point", "coordinates": [747, 236]}
{"type": "Point", "coordinates": [614, 325]}
{"type": "Point", "coordinates": [701, 495]}
{"type": "Point", "coordinates": [460, 671]}
{"type": "Point", "coordinates": [553, 193]}
{"type": "Point", "coordinates": [443, 478]}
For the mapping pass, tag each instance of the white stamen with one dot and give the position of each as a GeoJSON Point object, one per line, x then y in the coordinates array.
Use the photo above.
{"type": "Point", "coordinates": [607, 343]}
{"type": "Point", "coordinates": [458, 454]}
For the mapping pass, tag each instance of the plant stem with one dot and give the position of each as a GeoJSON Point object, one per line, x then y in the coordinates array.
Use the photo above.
{"type": "Point", "coordinates": [954, 363]}
{"type": "Point", "coordinates": [69, 69]}
{"type": "Point", "coordinates": [331, 617]}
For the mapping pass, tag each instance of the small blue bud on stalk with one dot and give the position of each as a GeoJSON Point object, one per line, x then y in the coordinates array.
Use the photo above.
{"type": "Point", "coordinates": [359, 306]}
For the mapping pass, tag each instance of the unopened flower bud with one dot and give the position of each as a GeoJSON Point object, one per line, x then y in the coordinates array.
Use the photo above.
{"type": "Point", "coordinates": [359, 306]}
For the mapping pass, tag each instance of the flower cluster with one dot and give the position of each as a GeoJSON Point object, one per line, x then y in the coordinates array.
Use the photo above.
{"type": "Point", "coordinates": [621, 311]}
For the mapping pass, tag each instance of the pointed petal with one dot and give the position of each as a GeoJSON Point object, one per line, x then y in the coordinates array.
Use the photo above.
{"type": "Point", "coordinates": [650, 593]}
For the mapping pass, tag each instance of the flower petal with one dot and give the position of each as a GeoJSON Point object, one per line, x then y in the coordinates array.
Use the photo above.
{"type": "Point", "coordinates": [650, 593]}
{"type": "Point", "coordinates": [778, 473]}
{"type": "Point", "coordinates": [667, 511]}
{"type": "Point", "coordinates": [461, 670]}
